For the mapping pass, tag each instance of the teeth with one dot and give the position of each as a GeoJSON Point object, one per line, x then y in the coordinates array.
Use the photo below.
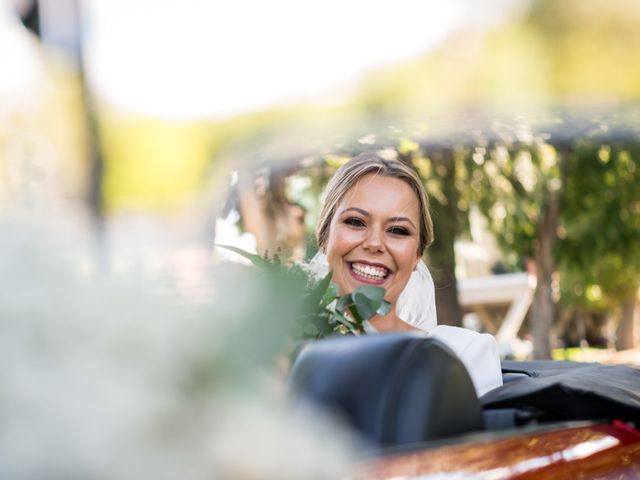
{"type": "Point", "coordinates": [374, 273]}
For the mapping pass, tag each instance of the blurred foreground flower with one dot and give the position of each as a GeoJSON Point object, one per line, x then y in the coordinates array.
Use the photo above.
{"type": "Point", "coordinates": [103, 377]}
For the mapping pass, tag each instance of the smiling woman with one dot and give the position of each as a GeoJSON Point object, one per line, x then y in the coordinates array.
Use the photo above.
{"type": "Point", "coordinates": [373, 229]}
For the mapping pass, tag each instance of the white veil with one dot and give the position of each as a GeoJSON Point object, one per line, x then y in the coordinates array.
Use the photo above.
{"type": "Point", "coordinates": [417, 303]}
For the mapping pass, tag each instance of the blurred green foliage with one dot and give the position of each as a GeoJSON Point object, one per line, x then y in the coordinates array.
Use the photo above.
{"type": "Point", "coordinates": [598, 252]}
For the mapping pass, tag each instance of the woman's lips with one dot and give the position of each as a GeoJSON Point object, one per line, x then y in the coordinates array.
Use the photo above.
{"type": "Point", "coordinates": [368, 273]}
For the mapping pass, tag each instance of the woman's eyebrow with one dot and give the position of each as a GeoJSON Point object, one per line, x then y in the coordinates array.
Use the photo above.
{"type": "Point", "coordinates": [356, 209]}
{"type": "Point", "coordinates": [401, 219]}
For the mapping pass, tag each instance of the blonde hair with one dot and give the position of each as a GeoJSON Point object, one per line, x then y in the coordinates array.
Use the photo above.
{"type": "Point", "coordinates": [356, 168]}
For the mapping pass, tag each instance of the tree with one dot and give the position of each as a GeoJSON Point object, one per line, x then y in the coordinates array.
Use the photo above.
{"type": "Point", "coordinates": [517, 187]}
{"type": "Point", "coordinates": [598, 253]}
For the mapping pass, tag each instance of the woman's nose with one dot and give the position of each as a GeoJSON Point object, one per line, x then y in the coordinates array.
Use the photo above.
{"type": "Point", "coordinates": [374, 242]}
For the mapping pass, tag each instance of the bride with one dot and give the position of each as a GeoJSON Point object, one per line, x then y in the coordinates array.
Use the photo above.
{"type": "Point", "coordinates": [373, 229]}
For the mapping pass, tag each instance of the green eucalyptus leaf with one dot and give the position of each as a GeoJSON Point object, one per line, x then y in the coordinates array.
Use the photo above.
{"type": "Point", "coordinates": [341, 319]}
{"type": "Point", "coordinates": [324, 326]}
{"type": "Point", "coordinates": [375, 294]}
{"type": "Point", "coordinates": [330, 294]}
{"type": "Point", "coordinates": [346, 322]}
{"type": "Point", "coordinates": [355, 314]}
{"type": "Point", "coordinates": [369, 301]}
{"type": "Point", "coordinates": [317, 294]}
{"type": "Point", "coordinates": [384, 308]}
{"type": "Point", "coordinates": [364, 306]}
{"type": "Point", "coordinates": [344, 302]}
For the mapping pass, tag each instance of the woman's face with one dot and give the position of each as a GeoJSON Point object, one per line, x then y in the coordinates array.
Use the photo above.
{"type": "Point", "coordinates": [374, 236]}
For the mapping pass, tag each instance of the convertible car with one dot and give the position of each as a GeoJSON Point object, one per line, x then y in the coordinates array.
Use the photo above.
{"type": "Point", "coordinates": [413, 403]}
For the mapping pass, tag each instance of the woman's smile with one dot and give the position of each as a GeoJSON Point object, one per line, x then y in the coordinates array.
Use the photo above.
{"type": "Point", "coordinates": [369, 273]}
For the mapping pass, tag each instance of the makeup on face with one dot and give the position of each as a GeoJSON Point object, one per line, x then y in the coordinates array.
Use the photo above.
{"type": "Point", "coordinates": [374, 236]}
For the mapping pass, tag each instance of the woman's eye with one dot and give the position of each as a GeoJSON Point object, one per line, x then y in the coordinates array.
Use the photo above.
{"type": "Point", "coordinates": [354, 222]}
{"type": "Point", "coordinates": [399, 231]}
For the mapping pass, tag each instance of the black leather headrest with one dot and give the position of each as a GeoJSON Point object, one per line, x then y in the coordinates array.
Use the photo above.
{"type": "Point", "coordinates": [395, 389]}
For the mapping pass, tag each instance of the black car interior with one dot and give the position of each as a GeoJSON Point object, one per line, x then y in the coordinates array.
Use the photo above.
{"type": "Point", "coordinates": [395, 389]}
{"type": "Point", "coordinates": [399, 389]}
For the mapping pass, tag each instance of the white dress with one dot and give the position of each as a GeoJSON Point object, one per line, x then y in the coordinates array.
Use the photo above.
{"type": "Point", "coordinates": [478, 352]}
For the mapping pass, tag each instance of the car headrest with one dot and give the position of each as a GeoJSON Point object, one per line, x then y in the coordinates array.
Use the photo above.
{"type": "Point", "coordinates": [395, 388]}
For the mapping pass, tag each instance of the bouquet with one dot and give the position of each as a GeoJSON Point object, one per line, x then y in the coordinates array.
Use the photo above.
{"type": "Point", "coordinates": [322, 311]}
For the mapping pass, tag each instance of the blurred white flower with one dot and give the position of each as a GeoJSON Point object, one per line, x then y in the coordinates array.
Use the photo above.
{"type": "Point", "coordinates": [107, 377]}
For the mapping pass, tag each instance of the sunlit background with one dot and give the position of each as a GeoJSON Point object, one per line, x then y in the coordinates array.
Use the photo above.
{"type": "Point", "coordinates": [136, 134]}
